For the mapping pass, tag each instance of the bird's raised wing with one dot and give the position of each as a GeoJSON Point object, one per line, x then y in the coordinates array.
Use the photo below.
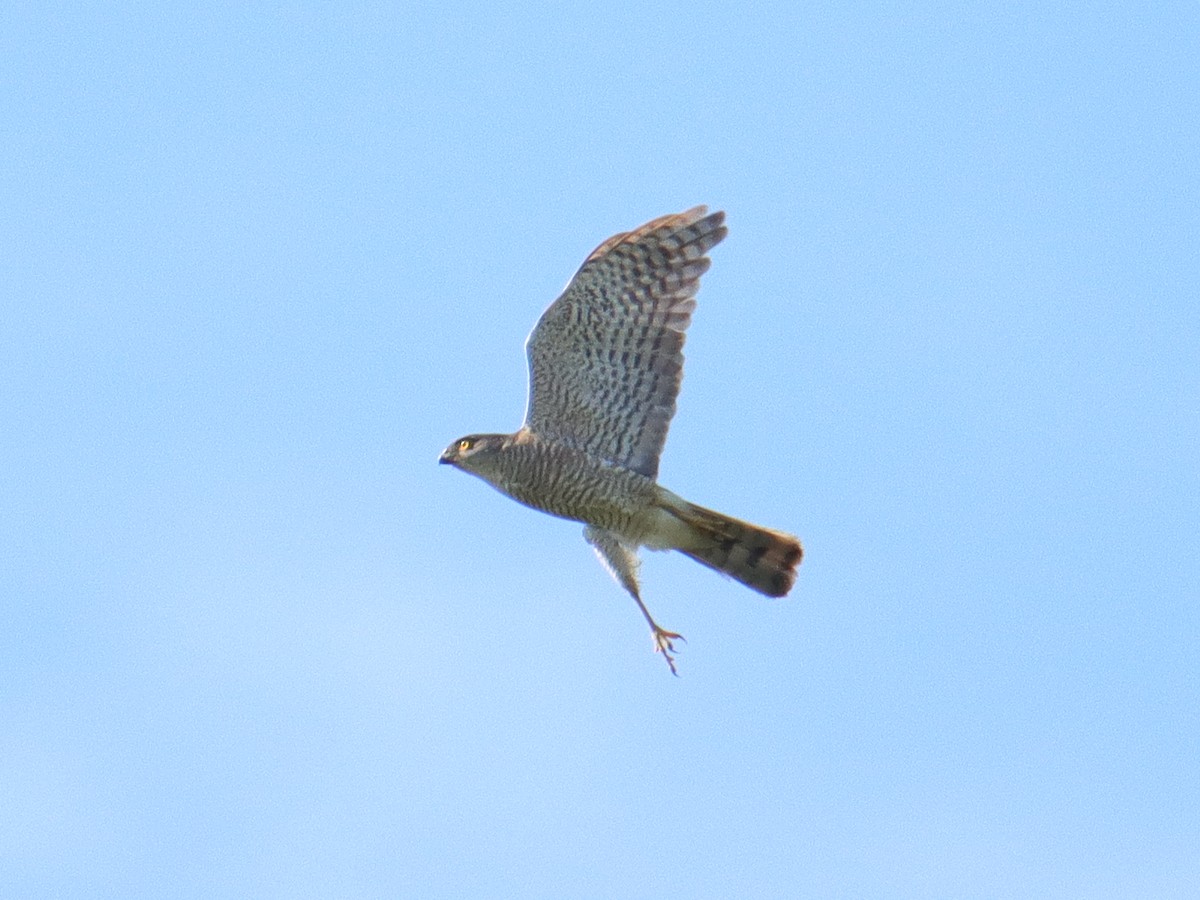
{"type": "Point", "coordinates": [606, 358]}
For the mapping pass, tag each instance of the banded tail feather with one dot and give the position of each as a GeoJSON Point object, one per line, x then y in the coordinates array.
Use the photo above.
{"type": "Point", "coordinates": [759, 558]}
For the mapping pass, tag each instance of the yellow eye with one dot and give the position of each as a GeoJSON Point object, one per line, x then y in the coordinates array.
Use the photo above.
{"type": "Point", "coordinates": [464, 445]}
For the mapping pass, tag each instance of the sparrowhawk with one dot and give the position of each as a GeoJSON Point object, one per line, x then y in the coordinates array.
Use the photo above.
{"type": "Point", "coordinates": [605, 364]}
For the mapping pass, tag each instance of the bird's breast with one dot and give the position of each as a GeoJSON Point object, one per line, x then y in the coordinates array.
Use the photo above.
{"type": "Point", "coordinates": [565, 482]}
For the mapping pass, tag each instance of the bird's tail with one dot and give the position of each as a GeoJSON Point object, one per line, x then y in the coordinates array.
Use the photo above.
{"type": "Point", "coordinates": [759, 558]}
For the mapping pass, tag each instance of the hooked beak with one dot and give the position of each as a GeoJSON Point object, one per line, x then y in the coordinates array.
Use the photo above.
{"type": "Point", "coordinates": [446, 459]}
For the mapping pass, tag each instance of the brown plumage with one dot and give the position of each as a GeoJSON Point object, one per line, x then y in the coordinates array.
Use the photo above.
{"type": "Point", "coordinates": [605, 364]}
{"type": "Point", "coordinates": [759, 558]}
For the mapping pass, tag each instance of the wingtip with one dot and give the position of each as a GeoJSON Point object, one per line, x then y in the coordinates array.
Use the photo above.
{"type": "Point", "coordinates": [696, 213]}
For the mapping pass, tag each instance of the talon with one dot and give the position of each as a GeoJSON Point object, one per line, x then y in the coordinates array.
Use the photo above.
{"type": "Point", "coordinates": [663, 644]}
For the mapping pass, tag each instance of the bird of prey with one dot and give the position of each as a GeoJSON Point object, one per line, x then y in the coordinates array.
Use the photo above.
{"type": "Point", "coordinates": [605, 364]}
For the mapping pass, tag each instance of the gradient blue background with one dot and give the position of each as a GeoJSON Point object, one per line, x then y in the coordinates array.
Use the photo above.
{"type": "Point", "coordinates": [259, 266]}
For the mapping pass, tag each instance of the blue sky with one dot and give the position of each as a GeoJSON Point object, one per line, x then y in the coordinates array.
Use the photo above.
{"type": "Point", "coordinates": [259, 266]}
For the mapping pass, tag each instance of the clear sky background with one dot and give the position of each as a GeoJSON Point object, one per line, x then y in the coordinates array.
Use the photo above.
{"type": "Point", "coordinates": [258, 266]}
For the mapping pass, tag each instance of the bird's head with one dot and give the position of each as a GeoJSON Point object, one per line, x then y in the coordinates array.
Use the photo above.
{"type": "Point", "coordinates": [473, 452]}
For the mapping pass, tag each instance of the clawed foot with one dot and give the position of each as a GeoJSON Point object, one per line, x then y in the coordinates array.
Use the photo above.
{"type": "Point", "coordinates": [663, 644]}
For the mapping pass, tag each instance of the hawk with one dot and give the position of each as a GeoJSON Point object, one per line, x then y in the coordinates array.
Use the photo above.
{"type": "Point", "coordinates": [605, 364]}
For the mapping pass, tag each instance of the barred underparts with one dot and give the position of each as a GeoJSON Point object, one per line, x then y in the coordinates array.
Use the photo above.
{"type": "Point", "coordinates": [605, 365]}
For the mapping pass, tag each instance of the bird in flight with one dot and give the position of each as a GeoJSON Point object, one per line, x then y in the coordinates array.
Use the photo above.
{"type": "Point", "coordinates": [605, 365]}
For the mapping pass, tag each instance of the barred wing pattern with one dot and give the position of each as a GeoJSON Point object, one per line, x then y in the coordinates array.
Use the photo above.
{"type": "Point", "coordinates": [606, 358]}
